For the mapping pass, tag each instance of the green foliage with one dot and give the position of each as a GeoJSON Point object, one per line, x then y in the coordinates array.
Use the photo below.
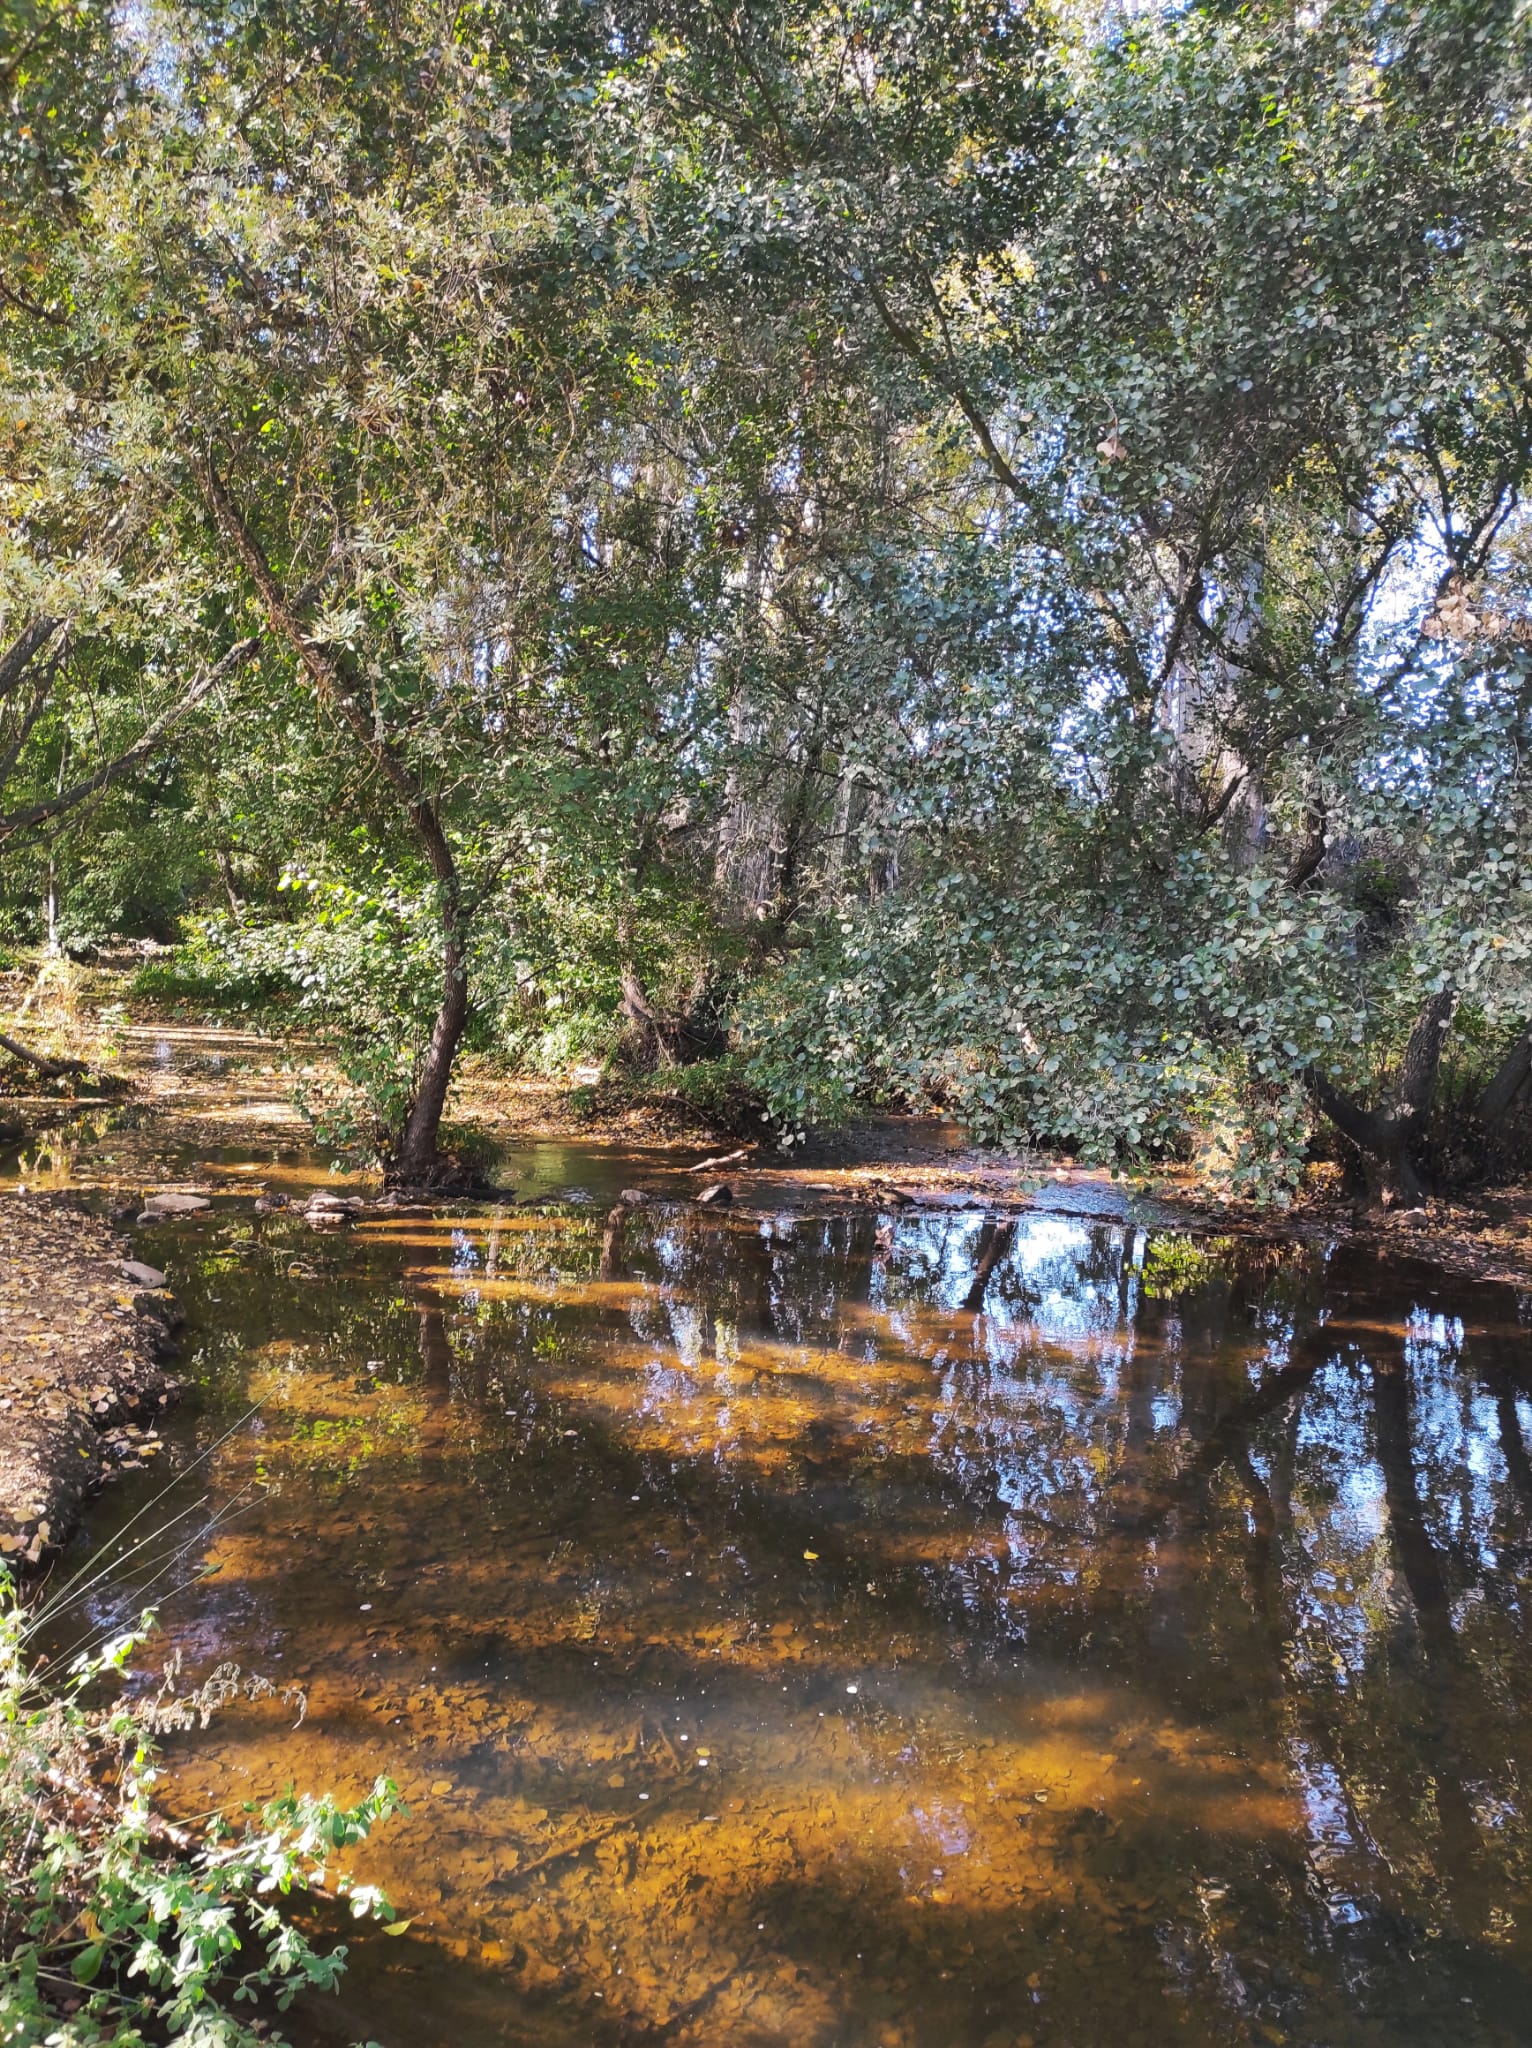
{"type": "Point", "coordinates": [119, 1932]}
{"type": "Point", "coordinates": [717, 1094]}
{"type": "Point", "coordinates": [1017, 572]}
{"type": "Point", "coordinates": [1174, 1266]}
{"type": "Point", "coordinates": [198, 974]}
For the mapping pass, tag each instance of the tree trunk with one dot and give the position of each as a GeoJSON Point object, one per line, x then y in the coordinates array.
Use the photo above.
{"type": "Point", "coordinates": [1504, 1085]}
{"type": "Point", "coordinates": [1388, 1138]}
{"type": "Point", "coordinates": [334, 676]}
{"type": "Point", "coordinates": [1309, 858]}
{"type": "Point", "coordinates": [225, 868]}
{"type": "Point", "coordinates": [51, 900]}
{"type": "Point", "coordinates": [416, 1159]}
{"type": "Point", "coordinates": [51, 907]}
{"type": "Point", "coordinates": [641, 1013]}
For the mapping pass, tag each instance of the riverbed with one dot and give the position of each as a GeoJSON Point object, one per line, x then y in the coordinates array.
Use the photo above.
{"type": "Point", "coordinates": [839, 1624]}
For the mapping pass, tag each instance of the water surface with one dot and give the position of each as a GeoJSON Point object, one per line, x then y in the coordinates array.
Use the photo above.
{"type": "Point", "coordinates": [781, 1645]}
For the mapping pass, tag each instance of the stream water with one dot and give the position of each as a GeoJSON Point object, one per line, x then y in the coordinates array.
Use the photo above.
{"type": "Point", "coordinates": [780, 1647]}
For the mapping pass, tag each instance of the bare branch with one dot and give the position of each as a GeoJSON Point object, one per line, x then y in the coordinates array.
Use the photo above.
{"type": "Point", "coordinates": [23, 650]}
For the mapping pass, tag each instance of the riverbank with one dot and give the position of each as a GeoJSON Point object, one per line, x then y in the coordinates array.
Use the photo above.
{"type": "Point", "coordinates": [1485, 1234]}
{"type": "Point", "coordinates": [84, 1334]}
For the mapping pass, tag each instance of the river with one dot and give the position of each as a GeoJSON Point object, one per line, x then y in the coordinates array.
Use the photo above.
{"type": "Point", "coordinates": [783, 1642]}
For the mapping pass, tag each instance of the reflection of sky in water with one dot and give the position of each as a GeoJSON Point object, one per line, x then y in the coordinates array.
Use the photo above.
{"type": "Point", "coordinates": [1224, 1566]}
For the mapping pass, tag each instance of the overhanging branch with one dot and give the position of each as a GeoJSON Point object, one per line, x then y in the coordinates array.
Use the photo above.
{"type": "Point", "coordinates": [68, 799]}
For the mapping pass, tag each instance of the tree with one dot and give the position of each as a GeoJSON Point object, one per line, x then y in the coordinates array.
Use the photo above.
{"type": "Point", "coordinates": [1227, 309]}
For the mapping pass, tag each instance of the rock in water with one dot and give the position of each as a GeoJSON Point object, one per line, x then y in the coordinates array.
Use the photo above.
{"type": "Point", "coordinates": [266, 1204]}
{"type": "Point", "coordinates": [633, 1198]}
{"type": "Point", "coordinates": [175, 1205]}
{"type": "Point", "coordinates": [142, 1275]}
{"type": "Point", "coordinates": [717, 1194]}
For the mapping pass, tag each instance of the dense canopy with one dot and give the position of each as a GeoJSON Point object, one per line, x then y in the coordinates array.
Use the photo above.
{"type": "Point", "coordinates": [951, 553]}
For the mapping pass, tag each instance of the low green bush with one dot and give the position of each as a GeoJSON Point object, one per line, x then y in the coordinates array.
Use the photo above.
{"type": "Point", "coordinates": [119, 1931]}
{"type": "Point", "coordinates": [192, 975]}
{"type": "Point", "coordinates": [716, 1094]}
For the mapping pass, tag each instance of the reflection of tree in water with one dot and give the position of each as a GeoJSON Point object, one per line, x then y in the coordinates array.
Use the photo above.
{"type": "Point", "coordinates": [1247, 1532]}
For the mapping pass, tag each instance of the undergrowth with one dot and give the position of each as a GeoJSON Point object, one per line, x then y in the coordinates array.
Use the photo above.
{"type": "Point", "coordinates": [713, 1094]}
{"type": "Point", "coordinates": [117, 1930]}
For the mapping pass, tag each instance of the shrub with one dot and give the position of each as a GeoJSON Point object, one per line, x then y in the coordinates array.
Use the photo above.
{"type": "Point", "coordinates": [118, 1929]}
{"type": "Point", "coordinates": [717, 1094]}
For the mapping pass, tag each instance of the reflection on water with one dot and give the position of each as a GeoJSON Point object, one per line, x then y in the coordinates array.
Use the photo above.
{"type": "Point", "coordinates": [889, 1630]}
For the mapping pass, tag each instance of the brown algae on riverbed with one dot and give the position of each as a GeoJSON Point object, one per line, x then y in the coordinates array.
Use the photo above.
{"type": "Point", "coordinates": [776, 1649]}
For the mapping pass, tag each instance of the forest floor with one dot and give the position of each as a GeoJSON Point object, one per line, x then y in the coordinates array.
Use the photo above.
{"type": "Point", "coordinates": [81, 1340]}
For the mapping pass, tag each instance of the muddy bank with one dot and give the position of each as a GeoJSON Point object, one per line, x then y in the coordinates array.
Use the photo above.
{"type": "Point", "coordinates": [83, 1383]}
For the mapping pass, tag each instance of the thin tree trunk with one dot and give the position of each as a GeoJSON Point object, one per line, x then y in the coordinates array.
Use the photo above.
{"type": "Point", "coordinates": [51, 901]}
{"type": "Point", "coordinates": [226, 875]}
{"type": "Point", "coordinates": [416, 1158]}
{"type": "Point", "coordinates": [1388, 1138]}
{"type": "Point", "coordinates": [339, 686]}
{"type": "Point", "coordinates": [637, 1007]}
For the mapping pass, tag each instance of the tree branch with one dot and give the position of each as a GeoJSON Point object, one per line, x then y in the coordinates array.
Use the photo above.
{"type": "Point", "coordinates": [1361, 1126]}
{"type": "Point", "coordinates": [955, 388]}
{"type": "Point", "coordinates": [18, 657]}
{"type": "Point", "coordinates": [52, 1068]}
{"type": "Point", "coordinates": [67, 799]}
{"type": "Point", "coordinates": [333, 676]}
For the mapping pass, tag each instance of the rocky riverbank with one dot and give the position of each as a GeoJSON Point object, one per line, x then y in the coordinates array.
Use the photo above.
{"type": "Point", "coordinates": [84, 1336]}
